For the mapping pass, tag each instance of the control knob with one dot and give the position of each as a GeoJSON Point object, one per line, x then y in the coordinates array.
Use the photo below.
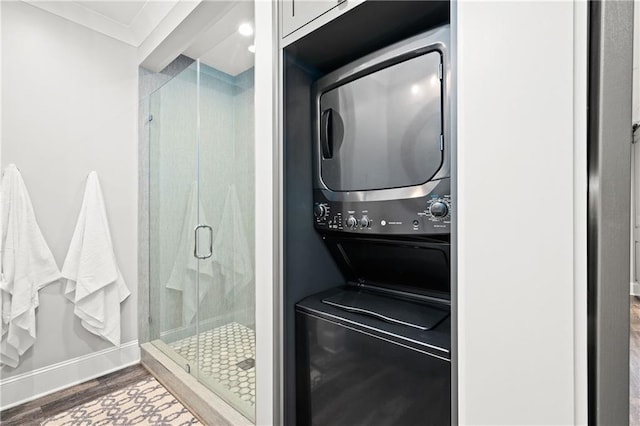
{"type": "Point", "coordinates": [352, 222]}
{"type": "Point", "coordinates": [320, 211]}
{"type": "Point", "coordinates": [439, 209]}
{"type": "Point", "coordinates": [365, 221]}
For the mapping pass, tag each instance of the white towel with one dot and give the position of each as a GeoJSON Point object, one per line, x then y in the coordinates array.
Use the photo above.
{"type": "Point", "coordinates": [94, 281]}
{"type": "Point", "coordinates": [186, 267]}
{"type": "Point", "coordinates": [27, 266]}
{"type": "Point", "coordinates": [232, 247]}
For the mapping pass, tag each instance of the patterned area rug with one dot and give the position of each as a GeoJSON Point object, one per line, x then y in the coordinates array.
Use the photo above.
{"type": "Point", "coordinates": [227, 355]}
{"type": "Point", "coordinates": [144, 403]}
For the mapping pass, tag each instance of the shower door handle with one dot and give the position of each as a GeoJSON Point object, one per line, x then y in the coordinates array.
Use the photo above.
{"type": "Point", "coordinates": [195, 244]}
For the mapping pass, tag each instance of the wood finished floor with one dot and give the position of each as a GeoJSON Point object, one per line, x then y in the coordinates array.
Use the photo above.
{"type": "Point", "coordinates": [36, 411]}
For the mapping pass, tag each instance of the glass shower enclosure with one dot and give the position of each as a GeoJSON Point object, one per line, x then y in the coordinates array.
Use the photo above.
{"type": "Point", "coordinates": [201, 227]}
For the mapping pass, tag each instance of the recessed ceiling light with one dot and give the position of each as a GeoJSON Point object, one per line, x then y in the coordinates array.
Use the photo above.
{"type": "Point", "coordinates": [252, 48]}
{"type": "Point", "coordinates": [245, 29]}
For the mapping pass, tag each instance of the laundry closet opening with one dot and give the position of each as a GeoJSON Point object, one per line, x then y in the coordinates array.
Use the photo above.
{"type": "Point", "coordinates": [368, 299]}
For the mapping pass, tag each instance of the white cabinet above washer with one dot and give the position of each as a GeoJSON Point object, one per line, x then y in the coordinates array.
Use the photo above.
{"type": "Point", "coordinates": [296, 13]}
{"type": "Point", "coordinates": [300, 17]}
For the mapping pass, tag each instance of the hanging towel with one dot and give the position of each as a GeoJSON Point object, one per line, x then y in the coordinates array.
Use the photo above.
{"type": "Point", "coordinates": [94, 281]}
{"type": "Point", "coordinates": [187, 269]}
{"type": "Point", "coordinates": [231, 245]}
{"type": "Point", "coordinates": [27, 266]}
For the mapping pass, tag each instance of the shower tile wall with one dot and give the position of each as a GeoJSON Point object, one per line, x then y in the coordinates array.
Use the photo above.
{"type": "Point", "coordinates": [227, 158]}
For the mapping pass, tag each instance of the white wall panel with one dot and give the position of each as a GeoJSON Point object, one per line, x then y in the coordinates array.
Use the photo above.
{"type": "Point", "coordinates": [266, 202]}
{"type": "Point", "coordinates": [516, 217]}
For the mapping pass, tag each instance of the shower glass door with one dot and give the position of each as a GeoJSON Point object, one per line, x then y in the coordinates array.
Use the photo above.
{"type": "Point", "coordinates": [173, 213]}
{"type": "Point", "coordinates": [202, 284]}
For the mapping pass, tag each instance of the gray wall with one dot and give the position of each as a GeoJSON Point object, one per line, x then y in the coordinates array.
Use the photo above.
{"type": "Point", "coordinates": [69, 107]}
{"type": "Point", "coordinates": [610, 116]}
{"type": "Point", "coordinates": [308, 266]}
{"type": "Point", "coordinates": [636, 63]}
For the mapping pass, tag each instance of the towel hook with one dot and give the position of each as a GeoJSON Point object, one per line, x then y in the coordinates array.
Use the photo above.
{"type": "Point", "coordinates": [2, 173]}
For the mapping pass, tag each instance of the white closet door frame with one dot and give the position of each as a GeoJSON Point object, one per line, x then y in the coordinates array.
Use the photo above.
{"type": "Point", "coordinates": [635, 172]}
{"type": "Point", "coordinates": [267, 213]}
{"type": "Point", "coordinates": [634, 285]}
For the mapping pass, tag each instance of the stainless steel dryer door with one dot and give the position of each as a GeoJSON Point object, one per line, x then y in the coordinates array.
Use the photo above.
{"type": "Point", "coordinates": [383, 130]}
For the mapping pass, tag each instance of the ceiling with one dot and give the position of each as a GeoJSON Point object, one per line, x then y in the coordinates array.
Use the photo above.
{"type": "Point", "coordinates": [130, 21]}
{"type": "Point", "coordinates": [214, 40]}
{"type": "Point", "coordinates": [221, 46]}
{"type": "Point", "coordinates": [121, 12]}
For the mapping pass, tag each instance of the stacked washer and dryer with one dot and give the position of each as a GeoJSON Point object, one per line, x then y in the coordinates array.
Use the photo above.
{"type": "Point", "coordinates": [377, 350]}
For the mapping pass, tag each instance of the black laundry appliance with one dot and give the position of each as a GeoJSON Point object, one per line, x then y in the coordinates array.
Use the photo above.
{"type": "Point", "coordinates": [377, 350]}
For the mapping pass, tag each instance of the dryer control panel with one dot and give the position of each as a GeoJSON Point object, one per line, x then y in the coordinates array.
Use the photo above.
{"type": "Point", "coordinates": [426, 215]}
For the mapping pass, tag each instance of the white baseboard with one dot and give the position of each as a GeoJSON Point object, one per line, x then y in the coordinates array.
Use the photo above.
{"type": "Point", "coordinates": [635, 289]}
{"type": "Point", "coordinates": [37, 383]}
